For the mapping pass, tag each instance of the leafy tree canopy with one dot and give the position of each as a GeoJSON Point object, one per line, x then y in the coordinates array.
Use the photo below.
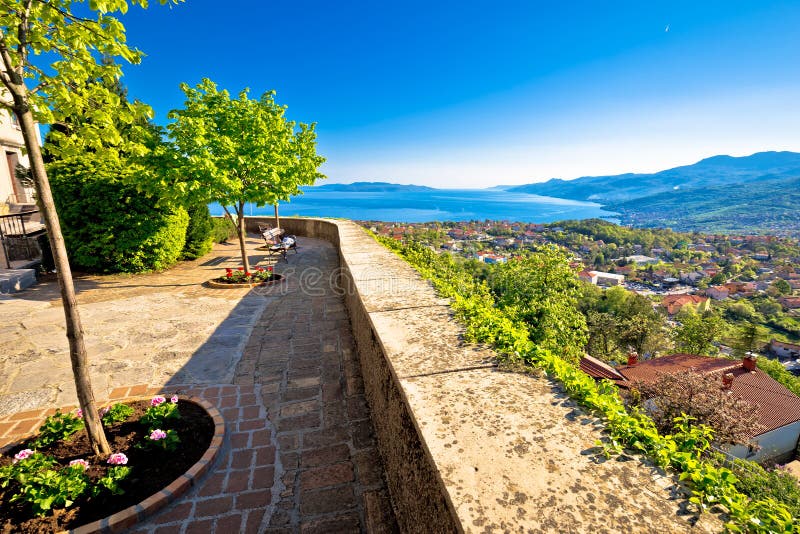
{"type": "Point", "coordinates": [543, 290]}
{"type": "Point", "coordinates": [242, 149]}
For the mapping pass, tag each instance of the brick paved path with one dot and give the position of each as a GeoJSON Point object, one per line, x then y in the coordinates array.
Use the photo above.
{"type": "Point", "coordinates": [302, 356]}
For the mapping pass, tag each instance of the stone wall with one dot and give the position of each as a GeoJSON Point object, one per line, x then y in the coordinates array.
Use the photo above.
{"type": "Point", "coordinates": [467, 446]}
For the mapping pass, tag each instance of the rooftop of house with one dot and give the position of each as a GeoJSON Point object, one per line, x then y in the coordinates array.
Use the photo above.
{"type": "Point", "coordinates": [777, 406]}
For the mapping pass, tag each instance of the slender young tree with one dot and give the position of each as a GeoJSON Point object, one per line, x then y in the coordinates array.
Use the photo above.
{"type": "Point", "coordinates": [33, 32]}
{"type": "Point", "coordinates": [242, 150]}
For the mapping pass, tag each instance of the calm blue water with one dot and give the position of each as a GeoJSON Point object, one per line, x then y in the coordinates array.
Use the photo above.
{"type": "Point", "coordinates": [439, 205]}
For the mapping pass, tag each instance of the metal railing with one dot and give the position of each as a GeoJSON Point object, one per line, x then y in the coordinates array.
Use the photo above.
{"type": "Point", "coordinates": [19, 234]}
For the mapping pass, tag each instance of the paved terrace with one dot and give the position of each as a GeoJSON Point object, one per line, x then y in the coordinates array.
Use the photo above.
{"type": "Point", "coordinates": [308, 402]}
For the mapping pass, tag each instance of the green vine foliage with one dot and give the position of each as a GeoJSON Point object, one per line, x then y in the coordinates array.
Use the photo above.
{"type": "Point", "coordinates": [686, 450]}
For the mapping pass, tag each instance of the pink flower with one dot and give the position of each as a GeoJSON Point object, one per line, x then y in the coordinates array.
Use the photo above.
{"type": "Point", "coordinates": [174, 399]}
{"type": "Point", "coordinates": [157, 400]}
{"type": "Point", "coordinates": [157, 434]}
{"type": "Point", "coordinates": [79, 413]}
{"type": "Point", "coordinates": [117, 458]}
{"type": "Point", "coordinates": [104, 411]}
{"type": "Point", "coordinates": [21, 455]}
{"type": "Point", "coordinates": [79, 463]}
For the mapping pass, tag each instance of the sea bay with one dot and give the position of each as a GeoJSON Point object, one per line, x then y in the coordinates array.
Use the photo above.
{"type": "Point", "coordinates": [432, 205]}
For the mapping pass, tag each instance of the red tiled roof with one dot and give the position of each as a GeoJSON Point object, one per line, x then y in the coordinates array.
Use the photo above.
{"type": "Point", "coordinates": [777, 406]}
{"type": "Point", "coordinates": [599, 369]}
{"type": "Point", "coordinates": [673, 303]}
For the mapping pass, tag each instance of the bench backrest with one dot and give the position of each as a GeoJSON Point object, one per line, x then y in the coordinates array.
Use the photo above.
{"type": "Point", "coordinates": [272, 234]}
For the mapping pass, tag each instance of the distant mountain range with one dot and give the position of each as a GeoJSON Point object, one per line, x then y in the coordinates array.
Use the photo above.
{"type": "Point", "coordinates": [710, 172]}
{"type": "Point", "coordinates": [757, 193]}
{"type": "Point", "coordinates": [372, 187]}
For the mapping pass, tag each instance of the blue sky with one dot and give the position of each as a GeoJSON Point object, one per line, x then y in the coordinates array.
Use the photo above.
{"type": "Point", "coordinates": [474, 94]}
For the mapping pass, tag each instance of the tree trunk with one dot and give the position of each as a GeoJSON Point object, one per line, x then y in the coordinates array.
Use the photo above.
{"type": "Point", "coordinates": [242, 234]}
{"type": "Point", "coordinates": [77, 348]}
{"type": "Point", "coordinates": [277, 219]}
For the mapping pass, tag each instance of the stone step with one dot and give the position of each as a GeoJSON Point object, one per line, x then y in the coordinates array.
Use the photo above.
{"type": "Point", "coordinates": [13, 280]}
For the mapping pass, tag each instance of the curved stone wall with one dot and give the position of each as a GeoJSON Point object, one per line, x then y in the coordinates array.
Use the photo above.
{"type": "Point", "coordinates": [465, 445]}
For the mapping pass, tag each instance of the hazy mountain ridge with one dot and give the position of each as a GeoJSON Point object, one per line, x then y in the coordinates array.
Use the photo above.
{"type": "Point", "coordinates": [764, 206]}
{"type": "Point", "coordinates": [709, 172]}
{"type": "Point", "coordinates": [372, 187]}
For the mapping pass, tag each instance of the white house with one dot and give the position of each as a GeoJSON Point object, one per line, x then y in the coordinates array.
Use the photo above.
{"type": "Point", "coordinates": [12, 145]}
{"type": "Point", "coordinates": [599, 278]}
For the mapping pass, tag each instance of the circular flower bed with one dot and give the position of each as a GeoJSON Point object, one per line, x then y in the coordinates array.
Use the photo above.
{"type": "Point", "coordinates": [234, 278]}
{"type": "Point", "coordinates": [52, 482]}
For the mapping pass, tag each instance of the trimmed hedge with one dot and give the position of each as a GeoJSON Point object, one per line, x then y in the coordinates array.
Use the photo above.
{"type": "Point", "coordinates": [687, 451]}
{"type": "Point", "coordinates": [199, 238]}
{"type": "Point", "coordinates": [222, 229]}
{"type": "Point", "coordinates": [108, 225]}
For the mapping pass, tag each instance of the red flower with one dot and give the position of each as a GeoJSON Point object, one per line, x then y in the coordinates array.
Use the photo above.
{"type": "Point", "coordinates": [229, 271]}
{"type": "Point", "coordinates": [260, 269]}
{"type": "Point", "coordinates": [228, 274]}
{"type": "Point", "coordinates": [248, 274]}
{"type": "Point", "coordinates": [269, 269]}
{"type": "Point", "coordinates": [240, 269]}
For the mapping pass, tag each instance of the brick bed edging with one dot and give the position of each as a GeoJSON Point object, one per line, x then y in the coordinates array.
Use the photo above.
{"type": "Point", "coordinates": [132, 515]}
{"type": "Point", "coordinates": [212, 284]}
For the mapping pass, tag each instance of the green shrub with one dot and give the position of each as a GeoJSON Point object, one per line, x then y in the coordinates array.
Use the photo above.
{"type": "Point", "coordinates": [199, 238]}
{"type": "Point", "coordinates": [761, 483]}
{"type": "Point", "coordinates": [108, 225]}
{"type": "Point", "coordinates": [222, 229]}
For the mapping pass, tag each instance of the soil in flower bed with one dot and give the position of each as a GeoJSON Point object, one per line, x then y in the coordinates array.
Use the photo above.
{"type": "Point", "coordinates": [152, 469]}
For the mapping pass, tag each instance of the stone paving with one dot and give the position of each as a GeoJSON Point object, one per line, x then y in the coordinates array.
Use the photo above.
{"type": "Point", "coordinates": [299, 453]}
{"type": "Point", "coordinates": [160, 328]}
{"type": "Point", "coordinates": [302, 356]}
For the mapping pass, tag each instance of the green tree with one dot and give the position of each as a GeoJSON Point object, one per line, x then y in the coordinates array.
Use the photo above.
{"type": "Point", "coordinates": [718, 278]}
{"type": "Point", "coordinates": [543, 290]}
{"type": "Point", "coordinates": [748, 338]}
{"type": "Point", "coordinates": [242, 150]}
{"type": "Point", "coordinates": [32, 33]}
{"type": "Point", "coordinates": [782, 287]}
{"type": "Point", "coordinates": [697, 332]}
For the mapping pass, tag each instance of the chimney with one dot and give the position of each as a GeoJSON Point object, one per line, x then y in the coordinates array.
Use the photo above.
{"type": "Point", "coordinates": [727, 380]}
{"type": "Point", "coordinates": [633, 358]}
{"type": "Point", "coordinates": [749, 362]}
